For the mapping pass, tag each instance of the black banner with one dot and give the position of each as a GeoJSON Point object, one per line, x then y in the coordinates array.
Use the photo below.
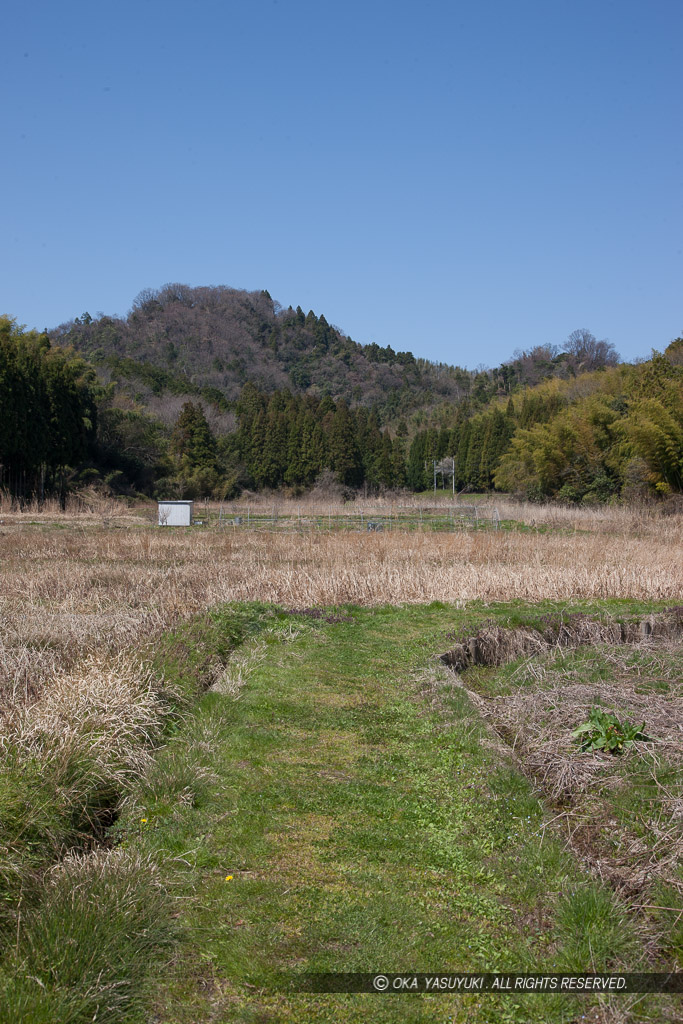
{"type": "Point", "coordinates": [469, 983]}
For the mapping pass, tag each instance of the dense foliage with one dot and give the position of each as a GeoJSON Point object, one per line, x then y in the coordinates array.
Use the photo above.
{"type": "Point", "coordinates": [613, 432]}
{"type": "Point", "coordinates": [207, 391]}
{"type": "Point", "coordinates": [616, 433]}
{"type": "Point", "coordinates": [610, 433]}
{"type": "Point", "coordinates": [47, 410]}
{"type": "Point", "coordinates": [469, 451]}
{"type": "Point", "coordinates": [283, 439]}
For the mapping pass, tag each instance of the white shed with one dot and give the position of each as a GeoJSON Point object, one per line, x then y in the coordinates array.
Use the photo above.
{"type": "Point", "coordinates": [175, 513]}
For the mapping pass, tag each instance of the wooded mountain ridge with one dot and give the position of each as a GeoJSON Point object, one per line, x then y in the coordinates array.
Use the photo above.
{"type": "Point", "coordinates": [209, 391]}
{"type": "Point", "coordinates": [210, 341]}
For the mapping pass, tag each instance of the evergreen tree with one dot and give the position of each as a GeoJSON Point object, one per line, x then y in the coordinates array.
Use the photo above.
{"type": "Point", "coordinates": [398, 462]}
{"type": "Point", "coordinates": [343, 450]}
{"type": "Point", "coordinates": [317, 454]}
{"type": "Point", "coordinates": [192, 441]}
{"type": "Point", "coordinates": [415, 469]}
{"type": "Point", "coordinates": [443, 445]}
{"type": "Point", "coordinates": [294, 471]}
{"type": "Point", "coordinates": [263, 464]}
{"type": "Point", "coordinates": [462, 454]}
{"type": "Point", "coordinates": [474, 453]}
{"type": "Point", "coordinates": [384, 465]}
{"type": "Point", "coordinates": [499, 429]}
{"type": "Point", "coordinates": [370, 444]}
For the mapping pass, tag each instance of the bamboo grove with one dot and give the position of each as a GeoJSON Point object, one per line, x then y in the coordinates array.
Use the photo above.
{"type": "Point", "coordinates": [47, 411]}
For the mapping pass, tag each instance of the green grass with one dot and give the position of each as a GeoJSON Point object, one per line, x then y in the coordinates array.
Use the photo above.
{"type": "Point", "coordinates": [364, 829]}
{"type": "Point", "coordinates": [403, 520]}
{"type": "Point", "coordinates": [84, 954]}
{"type": "Point", "coordinates": [517, 526]}
{"type": "Point", "coordinates": [587, 664]}
{"type": "Point", "coordinates": [346, 810]}
{"type": "Point", "coordinates": [189, 655]}
{"type": "Point", "coordinates": [56, 801]}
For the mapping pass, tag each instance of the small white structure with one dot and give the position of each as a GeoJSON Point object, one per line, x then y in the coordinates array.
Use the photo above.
{"type": "Point", "coordinates": [175, 513]}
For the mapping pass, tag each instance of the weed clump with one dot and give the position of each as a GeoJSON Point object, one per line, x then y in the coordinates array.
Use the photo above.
{"type": "Point", "coordinates": [84, 954]}
{"type": "Point", "coordinates": [66, 760]}
{"type": "Point", "coordinates": [604, 731]}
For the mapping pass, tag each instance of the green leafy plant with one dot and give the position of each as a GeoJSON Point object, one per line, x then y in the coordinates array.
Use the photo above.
{"type": "Point", "coordinates": [604, 731]}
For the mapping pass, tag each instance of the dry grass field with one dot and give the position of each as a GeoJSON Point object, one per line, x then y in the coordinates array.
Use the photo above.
{"type": "Point", "coordinates": [96, 581]}
{"type": "Point", "coordinates": [83, 586]}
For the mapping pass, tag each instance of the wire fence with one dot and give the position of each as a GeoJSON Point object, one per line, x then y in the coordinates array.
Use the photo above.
{"type": "Point", "coordinates": [408, 518]}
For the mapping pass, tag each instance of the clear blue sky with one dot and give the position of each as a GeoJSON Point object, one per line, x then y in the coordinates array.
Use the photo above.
{"type": "Point", "coordinates": [458, 179]}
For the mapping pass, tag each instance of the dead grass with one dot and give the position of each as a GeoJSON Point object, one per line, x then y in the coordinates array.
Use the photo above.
{"type": "Point", "coordinates": [549, 703]}
{"type": "Point", "coordinates": [90, 508]}
{"type": "Point", "coordinates": [109, 713]}
{"type": "Point", "coordinates": [645, 520]}
{"type": "Point", "coordinates": [496, 645]}
{"type": "Point", "coordinates": [90, 589]}
{"type": "Point", "coordinates": [550, 697]}
{"type": "Point", "coordinates": [82, 588]}
{"type": "Point", "coordinates": [85, 507]}
{"type": "Point", "coordinates": [67, 756]}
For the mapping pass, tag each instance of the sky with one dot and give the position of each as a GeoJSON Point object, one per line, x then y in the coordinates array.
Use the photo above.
{"type": "Point", "coordinates": [457, 179]}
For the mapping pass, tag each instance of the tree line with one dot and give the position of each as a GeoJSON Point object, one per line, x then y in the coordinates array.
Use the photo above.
{"type": "Point", "coordinates": [612, 433]}
{"type": "Point", "coordinates": [286, 440]}
{"type": "Point", "coordinates": [606, 432]}
{"type": "Point", "coordinates": [602, 435]}
{"type": "Point", "coordinates": [620, 436]}
{"type": "Point", "coordinates": [467, 454]}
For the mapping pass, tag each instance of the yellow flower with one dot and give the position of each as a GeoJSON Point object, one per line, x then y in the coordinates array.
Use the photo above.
{"type": "Point", "coordinates": [143, 820]}
{"type": "Point", "coordinates": [228, 878]}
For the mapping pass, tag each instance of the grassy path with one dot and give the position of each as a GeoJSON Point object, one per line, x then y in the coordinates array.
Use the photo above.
{"type": "Point", "coordinates": [346, 810]}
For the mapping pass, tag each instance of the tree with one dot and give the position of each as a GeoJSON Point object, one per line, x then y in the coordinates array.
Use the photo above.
{"type": "Point", "coordinates": [343, 449]}
{"type": "Point", "coordinates": [657, 437]}
{"type": "Point", "coordinates": [384, 465]}
{"type": "Point", "coordinates": [475, 450]}
{"type": "Point", "coordinates": [499, 430]}
{"type": "Point", "coordinates": [674, 352]}
{"type": "Point", "coordinates": [587, 353]}
{"type": "Point", "coordinates": [294, 471]}
{"type": "Point", "coordinates": [461, 455]}
{"type": "Point", "coordinates": [192, 442]}
{"type": "Point", "coordinates": [415, 470]}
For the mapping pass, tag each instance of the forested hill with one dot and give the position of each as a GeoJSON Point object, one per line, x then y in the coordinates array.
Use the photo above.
{"type": "Point", "coordinates": [211, 341]}
{"type": "Point", "coordinates": [208, 391]}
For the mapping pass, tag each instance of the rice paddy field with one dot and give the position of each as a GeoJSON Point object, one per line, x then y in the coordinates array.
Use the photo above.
{"type": "Point", "coordinates": [239, 753]}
